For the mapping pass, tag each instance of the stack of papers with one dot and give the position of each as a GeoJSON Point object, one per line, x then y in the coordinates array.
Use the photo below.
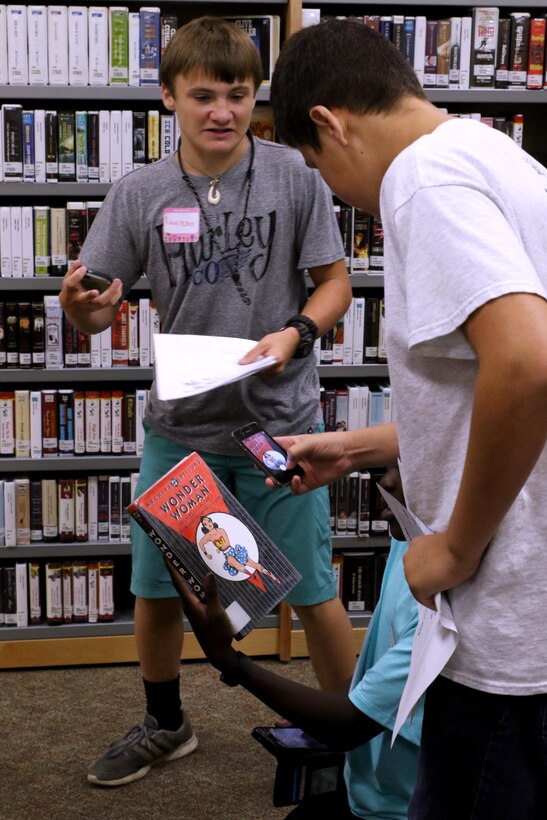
{"type": "Point", "coordinates": [186, 365]}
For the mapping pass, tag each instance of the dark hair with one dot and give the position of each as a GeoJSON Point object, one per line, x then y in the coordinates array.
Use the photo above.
{"type": "Point", "coordinates": [203, 527]}
{"type": "Point", "coordinates": [218, 48]}
{"type": "Point", "coordinates": [338, 64]}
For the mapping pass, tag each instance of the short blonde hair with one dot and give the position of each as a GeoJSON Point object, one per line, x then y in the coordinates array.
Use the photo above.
{"type": "Point", "coordinates": [216, 47]}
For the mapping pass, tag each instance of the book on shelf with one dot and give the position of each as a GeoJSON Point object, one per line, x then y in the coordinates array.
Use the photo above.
{"type": "Point", "coordinates": [264, 31]}
{"type": "Point", "coordinates": [200, 527]}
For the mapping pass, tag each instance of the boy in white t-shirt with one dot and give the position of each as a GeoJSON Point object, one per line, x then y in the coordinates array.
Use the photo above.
{"type": "Point", "coordinates": [464, 212]}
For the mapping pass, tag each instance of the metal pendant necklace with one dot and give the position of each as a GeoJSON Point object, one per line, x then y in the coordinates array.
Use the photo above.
{"type": "Point", "coordinates": [213, 197]}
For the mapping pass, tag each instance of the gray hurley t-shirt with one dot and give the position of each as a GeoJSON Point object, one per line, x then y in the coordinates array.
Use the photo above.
{"type": "Point", "coordinates": [290, 225]}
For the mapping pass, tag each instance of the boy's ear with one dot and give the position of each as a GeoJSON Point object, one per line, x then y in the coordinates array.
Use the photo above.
{"type": "Point", "coordinates": [167, 97]}
{"type": "Point", "coordinates": [329, 123]}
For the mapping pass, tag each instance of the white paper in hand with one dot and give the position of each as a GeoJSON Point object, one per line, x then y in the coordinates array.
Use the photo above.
{"type": "Point", "coordinates": [436, 635]}
{"type": "Point", "coordinates": [186, 365]}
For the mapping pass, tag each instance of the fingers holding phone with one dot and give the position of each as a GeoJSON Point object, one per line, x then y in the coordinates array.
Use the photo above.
{"type": "Point", "coordinates": [88, 290]}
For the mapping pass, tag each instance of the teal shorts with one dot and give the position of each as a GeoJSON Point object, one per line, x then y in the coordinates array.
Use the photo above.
{"type": "Point", "coordinates": [298, 525]}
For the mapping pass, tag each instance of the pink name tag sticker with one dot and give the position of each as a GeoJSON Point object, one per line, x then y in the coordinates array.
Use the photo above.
{"type": "Point", "coordinates": [181, 224]}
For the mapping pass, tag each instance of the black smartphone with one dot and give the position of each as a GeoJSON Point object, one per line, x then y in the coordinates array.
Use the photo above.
{"type": "Point", "coordinates": [93, 280]}
{"type": "Point", "coordinates": [276, 739]}
{"type": "Point", "coordinates": [266, 453]}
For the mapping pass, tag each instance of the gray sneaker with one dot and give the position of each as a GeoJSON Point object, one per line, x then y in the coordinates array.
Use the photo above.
{"type": "Point", "coordinates": [131, 757]}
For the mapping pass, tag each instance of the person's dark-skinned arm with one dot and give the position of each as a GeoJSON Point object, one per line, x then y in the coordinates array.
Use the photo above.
{"type": "Point", "coordinates": [329, 717]}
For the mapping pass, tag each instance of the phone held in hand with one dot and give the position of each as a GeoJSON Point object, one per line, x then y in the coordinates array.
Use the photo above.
{"type": "Point", "coordinates": [305, 767]}
{"type": "Point", "coordinates": [266, 453]}
{"type": "Point", "coordinates": [93, 280]}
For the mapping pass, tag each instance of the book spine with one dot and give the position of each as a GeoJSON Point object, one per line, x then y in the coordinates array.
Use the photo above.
{"type": "Point", "coordinates": [66, 509]}
{"type": "Point", "coordinates": [35, 598]}
{"type": "Point", "coordinates": [127, 142]}
{"type": "Point", "coordinates": [79, 591]}
{"type": "Point", "coordinates": [76, 220]}
{"type": "Point", "coordinates": [66, 146]}
{"type": "Point", "coordinates": [115, 145]}
{"type": "Point", "coordinates": [98, 45]}
{"type": "Point", "coordinates": [37, 45]}
{"type": "Point", "coordinates": [17, 45]}
{"type": "Point", "coordinates": [106, 591]}
{"type": "Point", "coordinates": [22, 423]}
{"type": "Point", "coordinates": [117, 421]}
{"type": "Point", "coordinates": [50, 515]}
{"type": "Point", "coordinates": [93, 146]}
{"type": "Point", "coordinates": [42, 258]}
{"type": "Point", "coordinates": [502, 58]}
{"type": "Point", "coordinates": [36, 424]}
{"type": "Point", "coordinates": [54, 593]}
{"type": "Point", "coordinates": [52, 148]}
{"type": "Point", "coordinates": [104, 146]}
{"type": "Point", "coordinates": [50, 440]}
{"type": "Point", "coordinates": [38, 335]}
{"type": "Point", "coordinates": [39, 145]}
{"type": "Point", "coordinates": [125, 501]}
{"type": "Point", "coordinates": [79, 422]}
{"type": "Point", "coordinates": [536, 53]}
{"type": "Point", "coordinates": [12, 116]}
{"type": "Point", "coordinates": [114, 512]}
{"type": "Point", "coordinates": [105, 425]}
{"type": "Point", "coordinates": [520, 34]}
{"type": "Point", "coordinates": [81, 147]}
{"type": "Point", "coordinates": [27, 240]}
{"type": "Point", "coordinates": [169, 25]}
{"type": "Point", "coordinates": [149, 45]}
{"type": "Point", "coordinates": [12, 342]}
{"type": "Point", "coordinates": [119, 45]}
{"type": "Point", "coordinates": [134, 48]}
{"type": "Point", "coordinates": [66, 421]}
{"type": "Point", "coordinates": [78, 59]}
{"type": "Point", "coordinates": [168, 554]}
{"type": "Point", "coordinates": [81, 509]}
{"type": "Point", "coordinates": [443, 53]}
{"type": "Point", "coordinates": [54, 332]}
{"type": "Point", "coordinates": [58, 45]}
{"type": "Point", "coordinates": [92, 421]}
{"type": "Point", "coordinates": [22, 511]}
{"type": "Point", "coordinates": [92, 520]}
{"type": "Point", "coordinates": [139, 138]}
{"type": "Point", "coordinates": [465, 54]}
{"type": "Point", "coordinates": [485, 42]}
{"type": "Point", "coordinates": [36, 530]}
{"type": "Point", "coordinates": [93, 591]}
{"type": "Point", "coordinates": [28, 146]}
{"type": "Point", "coordinates": [66, 583]}
{"type": "Point", "coordinates": [430, 66]}
{"type": "Point", "coordinates": [102, 507]}
{"type": "Point", "coordinates": [455, 52]}
{"type": "Point", "coordinates": [3, 69]}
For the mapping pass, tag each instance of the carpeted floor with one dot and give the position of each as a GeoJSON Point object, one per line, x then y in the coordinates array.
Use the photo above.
{"type": "Point", "coordinates": [54, 722]}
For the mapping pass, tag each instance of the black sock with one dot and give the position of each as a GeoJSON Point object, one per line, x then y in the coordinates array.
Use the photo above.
{"type": "Point", "coordinates": [163, 703]}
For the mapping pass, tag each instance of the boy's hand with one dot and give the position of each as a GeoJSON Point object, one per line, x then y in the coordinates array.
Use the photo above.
{"type": "Point", "coordinates": [209, 621]}
{"type": "Point", "coordinates": [431, 567]}
{"type": "Point", "coordinates": [282, 345]}
{"type": "Point", "coordinates": [322, 456]}
{"type": "Point", "coordinates": [75, 299]}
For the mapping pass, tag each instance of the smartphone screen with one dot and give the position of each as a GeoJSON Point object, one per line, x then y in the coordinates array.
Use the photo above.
{"type": "Point", "coordinates": [266, 453]}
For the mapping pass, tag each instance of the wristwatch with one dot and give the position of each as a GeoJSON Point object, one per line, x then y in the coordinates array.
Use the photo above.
{"type": "Point", "coordinates": [308, 334]}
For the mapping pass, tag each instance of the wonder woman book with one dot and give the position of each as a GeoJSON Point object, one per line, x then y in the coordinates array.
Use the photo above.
{"type": "Point", "coordinates": [200, 527]}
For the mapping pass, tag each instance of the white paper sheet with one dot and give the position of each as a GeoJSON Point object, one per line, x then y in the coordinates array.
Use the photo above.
{"type": "Point", "coordinates": [186, 365]}
{"type": "Point", "coordinates": [436, 635]}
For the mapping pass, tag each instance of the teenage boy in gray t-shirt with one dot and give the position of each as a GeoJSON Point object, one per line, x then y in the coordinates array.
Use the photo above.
{"type": "Point", "coordinates": [263, 219]}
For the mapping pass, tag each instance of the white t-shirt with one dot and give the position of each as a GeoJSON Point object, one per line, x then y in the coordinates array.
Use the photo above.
{"type": "Point", "coordinates": [464, 211]}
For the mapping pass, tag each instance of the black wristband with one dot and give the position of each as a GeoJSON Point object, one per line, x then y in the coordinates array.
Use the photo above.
{"type": "Point", "coordinates": [308, 334]}
{"type": "Point", "coordinates": [232, 678]}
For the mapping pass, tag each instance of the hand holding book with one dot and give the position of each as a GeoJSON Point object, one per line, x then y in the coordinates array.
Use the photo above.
{"type": "Point", "coordinates": [209, 622]}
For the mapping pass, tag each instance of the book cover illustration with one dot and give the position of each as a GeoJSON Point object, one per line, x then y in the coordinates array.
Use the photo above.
{"type": "Point", "coordinates": [201, 527]}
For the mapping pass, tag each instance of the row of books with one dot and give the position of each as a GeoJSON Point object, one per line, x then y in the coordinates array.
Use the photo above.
{"type": "Point", "coordinates": [98, 46]}
{"type": "Point", "coordinates": [91, 146]}
{"type": "Point", "coordinates": [87, 508]}
{"type": "Point", "coordinates": [359, 578]}
{"type": "Point", "coordinates": [358, 336]}
{"type": "Point", "coordinates": [35, 335]}
{"type": "Point", "coordinates": [39, 240]}
{"type": "Point", "coordinates": [81, 146]}
{"type": "Point", "coordinates": [49, 423]}
{"type": "Point", "coordinates": [356, 505]}
{"type": "Point", "coordinates": [363, 239]}
{"type": "Point", "coordinates": [483, 50]}
{"type": "Point", "coordinates": [511, 124]}
{"type": "Point", "coordinates": [32, 592]}
{"type": "Point", "coordinates": [355, 406]}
